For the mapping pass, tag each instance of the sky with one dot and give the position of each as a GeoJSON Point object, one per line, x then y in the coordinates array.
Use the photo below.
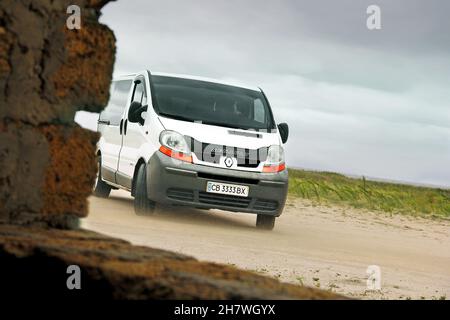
{"type": "Point", "coordinates": [357, 101]}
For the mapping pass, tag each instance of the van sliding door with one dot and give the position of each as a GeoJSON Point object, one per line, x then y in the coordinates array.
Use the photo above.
{"type": "Point", "coordinates": [109, 126]}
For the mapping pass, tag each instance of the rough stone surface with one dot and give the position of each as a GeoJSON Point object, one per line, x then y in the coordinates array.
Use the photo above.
{"type": "Point", "coordinates": [47, 73]}
{"type": "Point", "coordinates": [23, 161]}
{"type": "Point", "coordinates": [34, 258]}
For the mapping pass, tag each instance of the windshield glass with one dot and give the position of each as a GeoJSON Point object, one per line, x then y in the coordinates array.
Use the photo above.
{"type": "Point", "coordinates": [211, 103]}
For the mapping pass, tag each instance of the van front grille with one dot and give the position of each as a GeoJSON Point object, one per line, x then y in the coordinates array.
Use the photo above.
{"type": "Point", "coordinates": [223, 200]}
{"type": "Point", "coordinates": [214, 199]}
{"type": "Point", "coordinates": [180, 194]}
{"type": "Point", "coordinates": [247, 158]}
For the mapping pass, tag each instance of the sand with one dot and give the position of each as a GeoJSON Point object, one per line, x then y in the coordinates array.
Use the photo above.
{"type": "Point", "coordinates": [329, 247]}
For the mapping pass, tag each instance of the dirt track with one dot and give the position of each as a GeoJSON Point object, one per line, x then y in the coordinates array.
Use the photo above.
{"type": "Point", "coordinates": [330, 247]}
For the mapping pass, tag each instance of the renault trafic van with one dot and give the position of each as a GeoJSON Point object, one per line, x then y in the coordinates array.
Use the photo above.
{"type": "Point", "coordinates": [191, 141]}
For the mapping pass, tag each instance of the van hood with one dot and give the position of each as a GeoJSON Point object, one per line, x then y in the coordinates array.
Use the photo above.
{"type": "Point", "coordinates": [221, 135]}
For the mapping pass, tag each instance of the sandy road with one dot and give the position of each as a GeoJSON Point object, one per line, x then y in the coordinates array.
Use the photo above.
{"type": "Point", "coordinates": [330, 247]}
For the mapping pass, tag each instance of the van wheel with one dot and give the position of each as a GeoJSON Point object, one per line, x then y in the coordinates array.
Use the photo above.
{"type": "Point", "coordinates": [265, 222]}
{"type": "Point", "coordinates": [101, 188]}
{"type": "Point", "coordinates": [142, 205]}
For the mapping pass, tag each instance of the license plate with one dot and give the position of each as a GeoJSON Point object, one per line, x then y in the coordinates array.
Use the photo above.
{"type": "Point", "coordinates": [226, 188]}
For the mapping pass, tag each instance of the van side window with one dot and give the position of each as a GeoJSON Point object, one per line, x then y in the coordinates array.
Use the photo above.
{"type": "Point", "coordinates": [117, 102]}
{"type": "Point", "coordinates": [139, 94]}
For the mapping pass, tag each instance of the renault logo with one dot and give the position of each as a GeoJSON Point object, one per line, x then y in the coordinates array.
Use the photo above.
{"type": "Point", "coordinates": [228, 162]}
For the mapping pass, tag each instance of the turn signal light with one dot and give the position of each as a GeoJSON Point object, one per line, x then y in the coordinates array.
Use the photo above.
{"type": "Point", "coordinates": [176, 155]}
{"type": "Point", "coordinates": [274, 168]}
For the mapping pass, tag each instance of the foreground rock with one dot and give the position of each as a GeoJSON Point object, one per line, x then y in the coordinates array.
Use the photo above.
{"type": "Point", "coordinates": [35, 260]}
{"type": "Point", "coordinates": [47, 73]}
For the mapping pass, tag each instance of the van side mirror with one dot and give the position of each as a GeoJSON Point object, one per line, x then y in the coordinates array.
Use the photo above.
{"type": "Point", "coordinates": [284, 131]}
{"type": "Point", "coordinates": [135, 113]}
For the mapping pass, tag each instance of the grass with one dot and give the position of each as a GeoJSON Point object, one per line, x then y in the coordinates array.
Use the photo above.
{"type": "Point", "coordinates": [334, 188]}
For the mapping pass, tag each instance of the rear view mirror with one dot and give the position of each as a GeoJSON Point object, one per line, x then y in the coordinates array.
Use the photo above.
{"type": "Point", "coordinates": [284, 131]}
{"type": "Point", "coordinates": [135, 113]}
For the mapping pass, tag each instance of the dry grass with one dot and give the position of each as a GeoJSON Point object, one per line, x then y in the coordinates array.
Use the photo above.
{"type": "Point", "coordinates": [327, 187]}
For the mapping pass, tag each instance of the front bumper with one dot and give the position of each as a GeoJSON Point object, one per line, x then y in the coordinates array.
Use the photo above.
{"type": "Point", "coordinates": [175, 182]}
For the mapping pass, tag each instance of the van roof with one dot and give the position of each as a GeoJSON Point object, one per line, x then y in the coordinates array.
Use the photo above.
{"type": "Point", "coordinates": [185, 76]}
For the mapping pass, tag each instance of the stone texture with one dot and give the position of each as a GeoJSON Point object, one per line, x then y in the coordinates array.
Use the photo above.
{"type": "Point", "coordinates": [35, 258]}
{"type": "Point", "coordinates": [71, 171]}
{"type": "Point", "coordinates": [47, 73]}
{"type": "Point", "coordinates": [23, 161]}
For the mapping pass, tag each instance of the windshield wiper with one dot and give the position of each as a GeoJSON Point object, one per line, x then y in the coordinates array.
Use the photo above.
{"type": "Point", "coordinates": [221, 124]}
{"type": "Point", "coordinates": [232, 126]}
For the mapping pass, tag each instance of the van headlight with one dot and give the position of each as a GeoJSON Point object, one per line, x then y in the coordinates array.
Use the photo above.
{"type": "Point", "coordinates": [275, 159]}
{"type": "Point", "coordinates": [174, 145]}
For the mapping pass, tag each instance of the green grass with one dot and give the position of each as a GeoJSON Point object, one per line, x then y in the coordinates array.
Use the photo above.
{"type": "Point", "coordinates": [327, 187]}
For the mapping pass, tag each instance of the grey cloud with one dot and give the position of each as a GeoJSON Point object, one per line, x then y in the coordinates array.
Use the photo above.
{"type": "Point", "coordinates": [358, 101]}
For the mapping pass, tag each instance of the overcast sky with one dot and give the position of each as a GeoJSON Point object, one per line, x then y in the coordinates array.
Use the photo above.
{"type": "Point", "coordinates": [374, 103]}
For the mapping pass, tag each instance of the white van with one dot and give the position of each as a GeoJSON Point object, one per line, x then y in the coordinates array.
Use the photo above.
{"type": "Point", "coordinates": [191, 141]}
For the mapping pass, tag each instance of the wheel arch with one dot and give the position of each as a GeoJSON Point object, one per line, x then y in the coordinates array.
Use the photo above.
{"type": "Point", "coordinates": [140, 162]}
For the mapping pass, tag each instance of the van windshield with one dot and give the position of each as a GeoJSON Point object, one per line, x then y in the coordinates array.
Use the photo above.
{"type": "Point", "coordinates": [211, 103]}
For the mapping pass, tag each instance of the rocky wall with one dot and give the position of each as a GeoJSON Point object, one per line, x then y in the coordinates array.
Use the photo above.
{"type": "Point", "coordinates": [47, 73]}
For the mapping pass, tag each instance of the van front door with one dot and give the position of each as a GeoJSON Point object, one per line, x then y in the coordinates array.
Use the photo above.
{"type": "Point", "coordinates": [133, 138]}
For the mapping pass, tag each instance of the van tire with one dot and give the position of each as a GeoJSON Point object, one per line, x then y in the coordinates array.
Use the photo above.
{"type": "Point", "coordinates": [265, 222]}
{"type": "Point", "coordinates": [142, 205]}
{"type": "Point", "coordinates": [102, 189]}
